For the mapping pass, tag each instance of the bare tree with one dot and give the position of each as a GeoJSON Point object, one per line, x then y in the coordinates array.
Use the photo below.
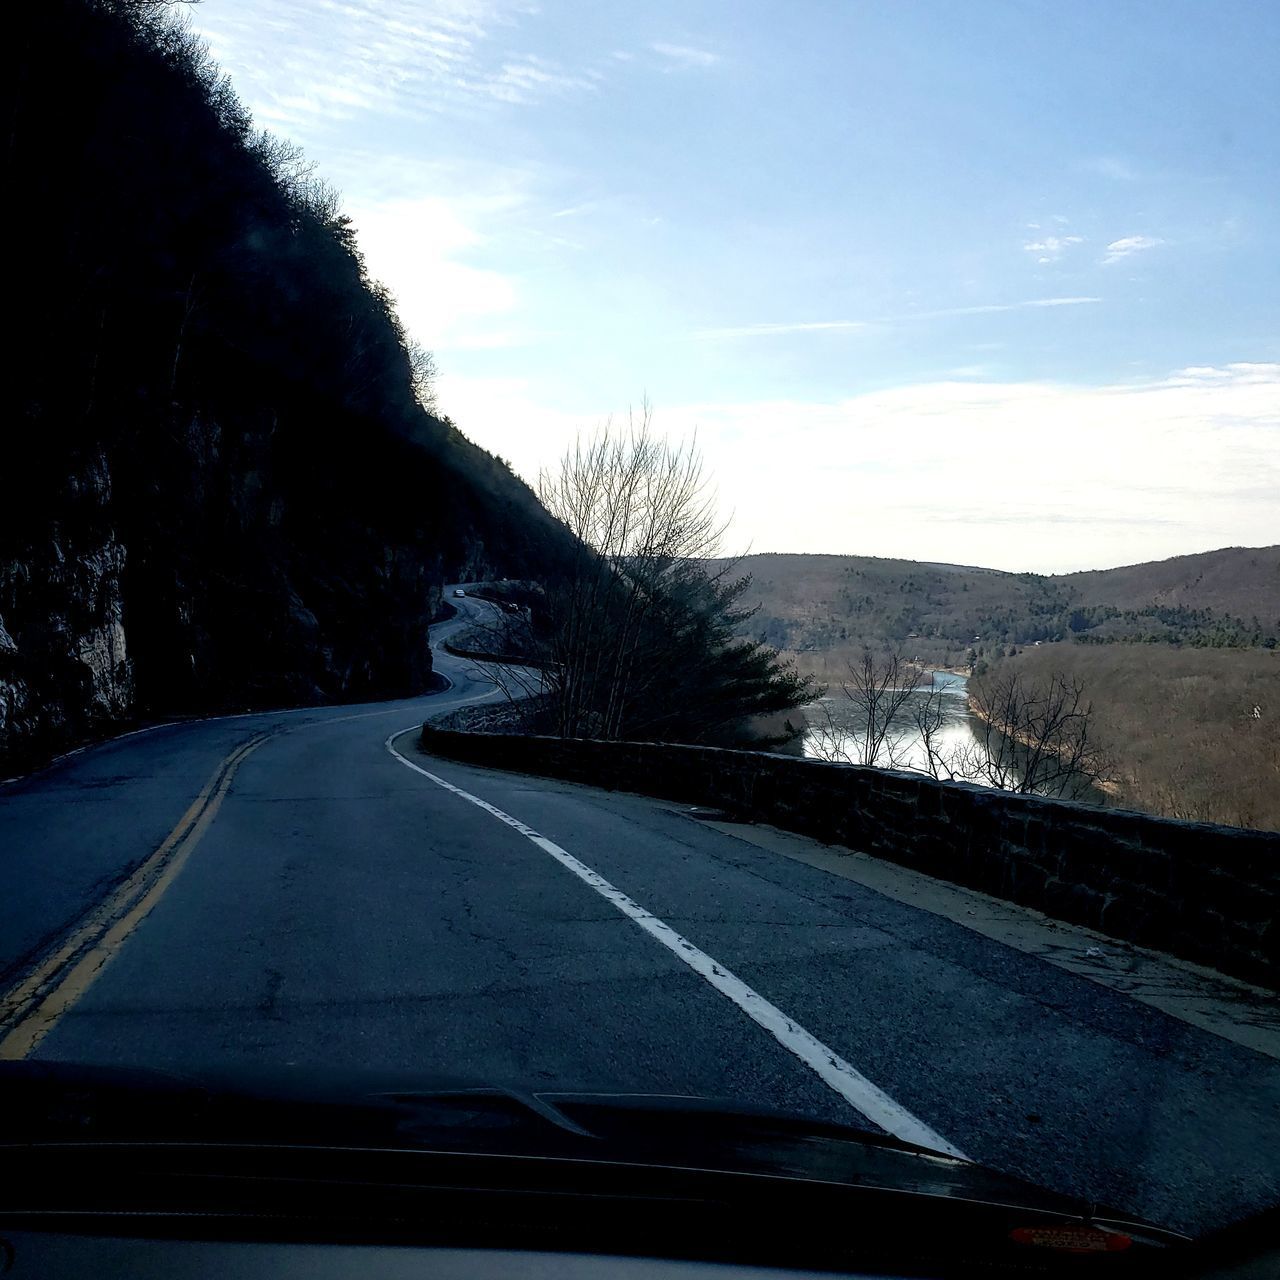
{"type": "Point", "coordinates": [868, 727]}
{"type": "Point", "coordinates": [422, 366]}
{"type": "Point", "coordinates": [1033, 737]}
{"type": "Point", "coordinates": [288, 164]}
{"type": "Point", "coordinates": [929, 716]}
{"type": "Point", "coordinates": [639, 508]}
{"type": "Point", "coordinates": [190, 304]}
{"type": "Point", "coordinates": [636, 635]}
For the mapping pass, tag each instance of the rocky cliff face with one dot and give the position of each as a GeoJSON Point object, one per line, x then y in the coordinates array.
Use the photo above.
{"type": "Point", "coordinates": [199, 576]}
{"type": "Point", "coordinates": [107, 615]}
{"type": "Point", "coordinates": [64, 661]}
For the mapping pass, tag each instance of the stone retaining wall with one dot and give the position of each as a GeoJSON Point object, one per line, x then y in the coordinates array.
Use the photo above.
{"type": "Point", "coordinates": [1205, 893]}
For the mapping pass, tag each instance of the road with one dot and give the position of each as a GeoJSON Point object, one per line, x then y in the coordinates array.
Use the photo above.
{"type": "Point", "coordinates": [322, 894]}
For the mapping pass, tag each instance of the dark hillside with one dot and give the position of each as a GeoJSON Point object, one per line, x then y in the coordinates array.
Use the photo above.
{"type": "Point", "coordinates": [218, 487]}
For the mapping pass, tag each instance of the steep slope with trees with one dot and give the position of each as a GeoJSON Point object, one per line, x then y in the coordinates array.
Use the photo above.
{"type": "Point", "coordinates": [220, 486]}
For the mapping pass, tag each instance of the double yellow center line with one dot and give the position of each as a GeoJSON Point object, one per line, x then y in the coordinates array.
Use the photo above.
{"type": "Point", "coordinates": [30, 1009]}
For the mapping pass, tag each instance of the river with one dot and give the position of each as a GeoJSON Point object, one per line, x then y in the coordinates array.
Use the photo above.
{"type": "Point", "coordinates": [955, 736]}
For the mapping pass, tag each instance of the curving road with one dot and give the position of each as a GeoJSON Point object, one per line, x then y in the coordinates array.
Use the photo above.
{"type": "Point", "coordinates": [305, 887]}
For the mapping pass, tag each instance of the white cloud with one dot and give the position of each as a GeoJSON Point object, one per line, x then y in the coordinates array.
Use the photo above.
{"type": "Point", "coordinates": [772, 329]}
{"type": "Point", "coordinates": [497, 339]}
{"type": "Point", "coordinates": [507, 417]}
{"type": "Point", "coordinates": [1051, 248]}
{"type": "Point", "coordinates": [420, 246]}
{"type": "Point", "coordinates": [683, 55]}
{"type": "Point", "coordinates": [1128, 245]}
{"type": "Point", "coordinates": [1022, 475]}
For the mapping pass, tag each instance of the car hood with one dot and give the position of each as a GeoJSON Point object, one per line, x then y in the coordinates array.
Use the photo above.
{"type": "Point", "coordinates": [49, 1103]}
{"type": "Point", "coordinates": [357, 1142]}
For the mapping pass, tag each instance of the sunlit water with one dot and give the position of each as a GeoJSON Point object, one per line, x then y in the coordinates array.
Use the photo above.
{"type": "Point", "coordinates": [905, 748]}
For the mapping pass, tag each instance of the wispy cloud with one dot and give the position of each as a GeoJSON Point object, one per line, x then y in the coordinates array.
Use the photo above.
{"type": "Point", "coordinates": [573, 210]}
{"type": "Point", "coordinates": [683, 55]}
{"type": "Point", "coordinates": [989, 308]}
{"type": "Point", "coordinates": [1051, 248]}
{"type": "Point", "coordinates": [309, 64]}
{"type": "Point", "coordinates": [769, 330]}
{"type": "Point", "coordinates": [766, 330]}
{"type": "Point", "coordinates": [1114, 167]}
{"type": "Point", "coordinates": [526, 79]}
{"type": "Point", "coordinates": [1127, 246]}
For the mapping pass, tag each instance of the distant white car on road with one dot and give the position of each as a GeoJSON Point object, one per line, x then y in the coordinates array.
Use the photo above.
{"type": "Point", "coordinates": [458, 591]}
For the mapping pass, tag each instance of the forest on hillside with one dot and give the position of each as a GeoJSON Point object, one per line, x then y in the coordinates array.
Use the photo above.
{"type": "Point", "coordinates": [1192, 733]}
{"type": "Point", "coordinates": [1177, 660]}
{"type": "Point", "coordinates": [821, 610]}
{"type": "Point", "coordinates": [222, 481]}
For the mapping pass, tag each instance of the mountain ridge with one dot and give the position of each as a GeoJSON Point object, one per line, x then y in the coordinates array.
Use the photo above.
{"type": "Point", "coordinates": [821, 605]}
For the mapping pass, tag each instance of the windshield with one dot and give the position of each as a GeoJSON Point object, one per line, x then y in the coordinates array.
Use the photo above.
{"type": "Point", "coordinates": [725, 552]}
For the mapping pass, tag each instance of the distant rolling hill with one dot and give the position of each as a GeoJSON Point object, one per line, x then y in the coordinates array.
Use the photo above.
{"type": "Point", "coordinates": [1236, 581]}
{"type": "Point", "coordinates": [822, 609]}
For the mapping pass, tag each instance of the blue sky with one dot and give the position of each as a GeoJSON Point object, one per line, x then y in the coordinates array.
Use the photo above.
{"type": "Point", "coordinates": [991, 282]}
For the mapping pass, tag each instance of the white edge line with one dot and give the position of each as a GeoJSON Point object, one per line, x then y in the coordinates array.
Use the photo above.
{"type": "Point", "coordinates": [859, 1092]}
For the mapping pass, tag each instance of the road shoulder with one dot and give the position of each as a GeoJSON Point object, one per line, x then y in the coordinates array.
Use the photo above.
{"type": "Point", "coordinates": [1203, 998]}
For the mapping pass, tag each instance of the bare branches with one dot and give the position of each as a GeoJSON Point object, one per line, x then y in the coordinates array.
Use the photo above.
{"type": "Point", "coordinates": [1028, 736]}
{"type": "Point", "coordinates": [947, 760]}
{"type": "Point", "coordinates": [639, 631]}
{"type": "Point", "coordinates": [878, 691]}
{"type": "Point", "coordinates": [422, 370]}
{"type": "Point", "coordinates": [640, 508]}
{"type": "Point", "coordinates": [638, 501]}
{"type": "Point", "coordinates": [1037, 736]}
{"type": "Point", "coordinates": [1021, 735]}
{"type": "Point", "coordinates": [869, 727]}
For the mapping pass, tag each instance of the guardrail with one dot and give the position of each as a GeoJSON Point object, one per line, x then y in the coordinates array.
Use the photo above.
{"type": "Point", "coordinates": [1207, 893]}
{"type": "Point", "coordinates": [500, 659]}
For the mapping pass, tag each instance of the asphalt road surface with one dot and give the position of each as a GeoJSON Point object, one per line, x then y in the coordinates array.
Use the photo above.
{"type": "Point", "coordinates": [285, 888]}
